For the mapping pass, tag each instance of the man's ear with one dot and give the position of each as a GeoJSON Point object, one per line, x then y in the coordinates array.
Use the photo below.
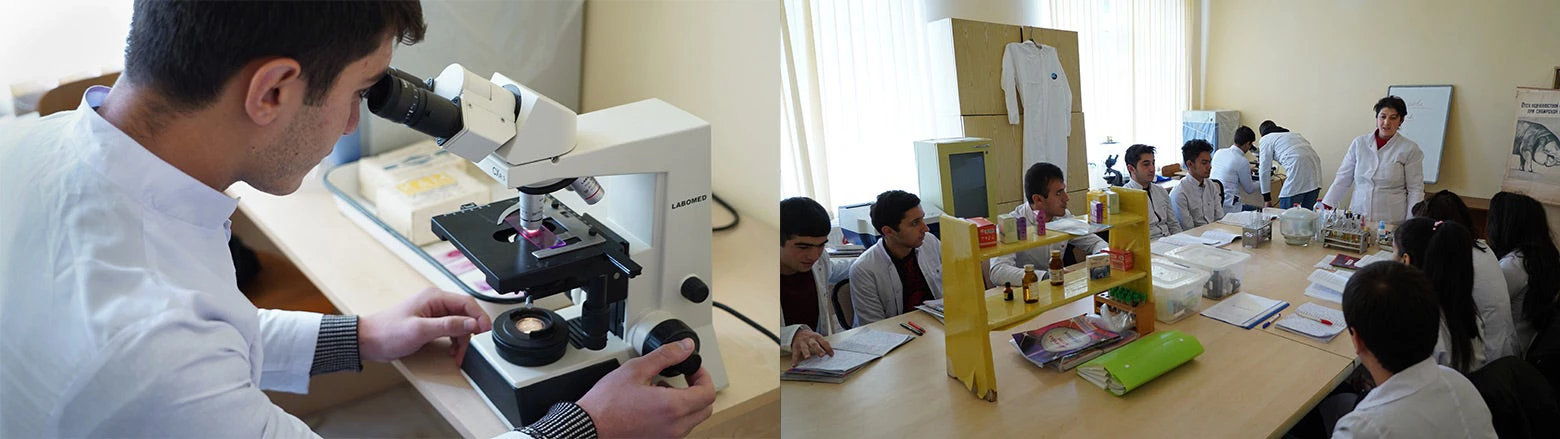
{"type": "Point", "coordinates": [274, 84]}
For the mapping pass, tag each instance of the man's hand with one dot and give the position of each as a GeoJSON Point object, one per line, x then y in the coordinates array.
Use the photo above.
{"type": "Point", "coordinates": [423, 318]}
{"type": "Point", "coordinates": [625, 403]}
{"type": "Point", "coordinates": [807, 344]}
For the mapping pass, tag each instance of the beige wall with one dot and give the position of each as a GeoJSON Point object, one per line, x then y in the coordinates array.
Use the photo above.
{"type": "Point", "coordinates": [1317, 67]}
{"type": "Point", "coordinates": [719, 60]}
{"type": "Point", "coordinates": [1018, 12]}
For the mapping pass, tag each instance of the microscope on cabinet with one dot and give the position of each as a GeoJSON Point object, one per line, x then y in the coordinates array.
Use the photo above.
{"type": "Point", "coordinates": [639, 258]}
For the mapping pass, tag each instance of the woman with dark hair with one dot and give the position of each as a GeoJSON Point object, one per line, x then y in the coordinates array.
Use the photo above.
{"type": "Point", "coordinates": [1519, 235]}
{"type": "Point", "coordinates": [1383, 167]}
{"type": "Point", "coordinates": [1438, 249]}
{"type": "Point", "coordinates": [1490, 292]}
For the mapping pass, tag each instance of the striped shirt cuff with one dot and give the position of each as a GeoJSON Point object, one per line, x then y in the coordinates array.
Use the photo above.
{"type": "Point", "coordinates": [564, 420]}
{"type": "Point", "coordinates": [337, 348]}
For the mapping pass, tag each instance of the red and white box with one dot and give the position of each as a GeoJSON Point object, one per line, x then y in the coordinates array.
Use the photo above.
{"type": "Point", "coordinates": [987, 231]}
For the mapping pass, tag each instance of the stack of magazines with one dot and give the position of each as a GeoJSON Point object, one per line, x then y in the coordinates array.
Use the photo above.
{"type": "Point", "coordinates": [1066, 344]}
{"type": "Point", "coordinates": [933, 307]}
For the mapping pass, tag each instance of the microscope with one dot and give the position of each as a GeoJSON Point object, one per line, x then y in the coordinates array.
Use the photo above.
{"type": "Point", "coordinates": [639, 258]}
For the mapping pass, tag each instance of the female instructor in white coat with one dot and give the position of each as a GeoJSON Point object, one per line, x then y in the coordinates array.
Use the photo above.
{"type": "Point", "coordinates": [1385, 168]}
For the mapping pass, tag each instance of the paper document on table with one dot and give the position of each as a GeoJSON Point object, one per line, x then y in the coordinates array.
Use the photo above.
{"type": "Point", "coordinates": [1324, 293]}
{"type": "Point", "coordinates": [1210, 237]}
{"type": "Point", "coordinates": [1375, 257]}
{"type": "Point", "coordinates": [877, 343]}
{"type": "Point", "coordinates": [1242, 219]}
{"type": "Point", "coordinates": [1328, 285]}
{"type": "Point", "coordinates": [1220, 237]}
{"type": "Point", "coordinates": [1308, 320]}
{"type": "Point", "coordinates": [1244, 309]}
{"type": "Point", "coordinates": [1162, 247]}
{"type": "Point", "coordinates": [1074, 226]}
{"type": "Point", "coordinates": [840, 362]}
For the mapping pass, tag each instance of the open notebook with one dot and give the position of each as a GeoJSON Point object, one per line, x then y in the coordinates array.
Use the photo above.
{"type": "Point", "coordinates": [1308, 320]}
{"type": "Point", "coordinates": [1244, 310]}
{"type": "Point", "coordinates": [1141, 361]}
{"type": "Point", "coordinates": [850, 355]}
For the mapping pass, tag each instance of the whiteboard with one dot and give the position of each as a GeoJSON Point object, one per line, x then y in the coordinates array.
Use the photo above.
{"type": "Point", "coordinates": [1428, 107]}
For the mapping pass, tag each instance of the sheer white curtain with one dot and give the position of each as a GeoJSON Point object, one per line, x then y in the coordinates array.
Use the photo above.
{"type": "Point", "coordinates": [856, 95]}
{"type": "Point", "coordinates": [1136, 77]}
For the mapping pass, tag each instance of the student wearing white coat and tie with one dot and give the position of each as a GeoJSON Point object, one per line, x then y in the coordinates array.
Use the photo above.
{"type": "Point", "coordinates": [1140, 169]}
{"type": "Point", "coordinates": [1197, 199]}
{"type": "Point", "coordinates": [807, 276]}
{"type": "Point", "coordinates": [1385, 169]}
{"type": "Point", "coordinates": [1046, 190]}
{"type": "Point", "coordinates": [900, 271]}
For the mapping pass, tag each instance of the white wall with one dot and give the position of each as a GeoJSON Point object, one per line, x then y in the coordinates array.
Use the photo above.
{"type": "Point", "coordinates": [1019, 12]}
{"type": "Point", "coordinates": [719, 60]}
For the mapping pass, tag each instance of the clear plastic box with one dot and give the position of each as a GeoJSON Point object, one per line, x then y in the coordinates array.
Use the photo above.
{"type": "Point", "coordinates": [1175, 289]}
{"type": "Point", "coordinates": [1226, 268]}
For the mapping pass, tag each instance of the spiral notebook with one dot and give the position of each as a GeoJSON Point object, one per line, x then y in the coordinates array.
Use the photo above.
{"type": "Point", "coordinates": [1308, 320]}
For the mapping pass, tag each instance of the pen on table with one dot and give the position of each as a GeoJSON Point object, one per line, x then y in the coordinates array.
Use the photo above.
{"type": "Point", "coordinates": [1323, 321]}
{"type": "Point", "coordinates": [1270, 322]}
{"type": "Point", "coordinates": [908, 328]}
{"type": "Point", "coordinates": [918, 328]}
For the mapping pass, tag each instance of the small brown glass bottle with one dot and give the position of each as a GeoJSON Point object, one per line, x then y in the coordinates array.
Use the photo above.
{"type": "Point", "coordinates": [1030, 279]}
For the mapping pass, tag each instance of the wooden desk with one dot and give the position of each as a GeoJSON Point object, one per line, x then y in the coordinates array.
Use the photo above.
{"type": "Point", "coordinates": [1246, 384]}
{"type": "Point", "coordinates": [361, 276]}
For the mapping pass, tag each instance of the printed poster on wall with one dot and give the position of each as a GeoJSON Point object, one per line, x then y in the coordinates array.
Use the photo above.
{"type": "Point", "coordinates": [1533, 168]}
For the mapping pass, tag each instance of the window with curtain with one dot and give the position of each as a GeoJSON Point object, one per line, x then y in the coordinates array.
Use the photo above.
{"type": "Point", "coordinates": [1136, 77]}
{"type": "Point", "coordinates": [856, 97]}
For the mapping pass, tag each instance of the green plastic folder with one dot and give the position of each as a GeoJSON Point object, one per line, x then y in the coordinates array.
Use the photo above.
{"type": "Point", "coordinates": [1141, 361]}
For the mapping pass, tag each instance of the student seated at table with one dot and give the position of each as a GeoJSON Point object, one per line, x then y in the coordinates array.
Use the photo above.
{"type": "Point", "coordinates": [1197, 199]}
{"type": "Point", "coordinates": [1519, 235]}
{"type": "Point", "coordinates": [1045, 188]}
{"type": "Point", "coordinates": [1393, 318]}
{"type": "Point", "coordinates": [1140, 166]}
{"type": "Point", "coordinates": [1438, 248]}
{"type": "Point", "coordinates": [1490, 293]}
{"type": "Point", "coordinates": [806, 277]}
{"type": "Point", "coordinates": [904, 268]}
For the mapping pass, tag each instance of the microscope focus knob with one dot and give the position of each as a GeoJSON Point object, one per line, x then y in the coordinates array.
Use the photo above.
{"type": "Point", "coordinates": [695, 290]}
{"type": "Point", "coordinates": [670, 331]}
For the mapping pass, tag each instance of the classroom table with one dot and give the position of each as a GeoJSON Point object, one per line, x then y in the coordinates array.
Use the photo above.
{"type": "Point", "coordinates": [361, 276]}
{"type": "Point", "coordinates": [1247, 383]}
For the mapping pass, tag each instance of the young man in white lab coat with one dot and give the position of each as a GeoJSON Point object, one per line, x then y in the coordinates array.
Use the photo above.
{"type": "Point", "coordinates": [118, 290]}
{"type": "Point", "coordinates": [1197, 199]}
{"type": "Point", "coordinates": [1393, 322]}
{"type": "Point", "coordinates": [1302, 167]}
{"type": "Point", "coordinates": [903, 269]}
{"type": "Point", "coordinates": [1140, 172]}
{"type": "Point", "coordinates": [807, 277]}
{"type": "Point", "coordinates": [1385, 168]}
{"type": "Point", "coordinates": [1046, 190]}
{"type": "Point", "coordinates": [1233, 171]}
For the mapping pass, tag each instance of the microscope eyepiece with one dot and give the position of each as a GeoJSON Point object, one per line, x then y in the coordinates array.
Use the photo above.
{"type": "Point", "coordinates": [402, 98]}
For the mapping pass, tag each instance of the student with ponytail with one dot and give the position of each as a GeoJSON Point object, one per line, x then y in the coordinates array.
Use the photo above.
{"type": "Point", "coordinates": [1490, 292]}
{"type": "Point", "coordinates": [1439, 248]}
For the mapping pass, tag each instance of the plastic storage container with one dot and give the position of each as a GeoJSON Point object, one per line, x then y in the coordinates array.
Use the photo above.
{"type": "Point", "coordinates": [1175, 290]}
{"type": "Point", "coordinates": [1225, 267]}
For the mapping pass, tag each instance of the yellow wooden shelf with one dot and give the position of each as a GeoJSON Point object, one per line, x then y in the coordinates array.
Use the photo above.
{"type": "Point", "coordinates": [1051, 237]}
{"type": "Point", "coordinates": [1003, 313]}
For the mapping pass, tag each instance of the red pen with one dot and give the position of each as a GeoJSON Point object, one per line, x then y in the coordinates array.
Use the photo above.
{"type": "Point", "coordinates": [1325, 322]}
{"type": "Point", "coordinates": [917, 327]}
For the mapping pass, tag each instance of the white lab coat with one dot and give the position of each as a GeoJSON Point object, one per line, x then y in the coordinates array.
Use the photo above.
{"type": "Point", "coordinates": [1442, 353]}
{"type": "Point", "coordinates": [874, 282]}
{"type": "Point", "coordinates": [1422, 401]}
{"type": "Point", "coordinates": [1161, 217]}
{"type": "Point", "coordinates": [1387, 182]}
{"type": "Point", "coordinates": [1494, 303]}
{"type": "Point", "coordinates": [1516, 287]}
{"type": "Point", "coordinates": [1302, 167]}
{"type": "Point", "coordinates": [1231, 169]}
{"type": "Point", "coordinates": [1009, 268]}
{"type": "Point", "coordinates": [1033, 73]}
{"type": "Point", "coordinates": [826, 272]}
{"type": "Point", "coordinates": [1196, 203]}
{"type": "Point", "coordinates": [118, 296]}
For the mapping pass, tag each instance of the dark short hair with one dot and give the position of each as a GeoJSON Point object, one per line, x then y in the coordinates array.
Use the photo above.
{"type": "Point", "coordinates": [1135, 153]}
{"type": "Point", "coordinates": [890, 209]}
{"type": "Point", "coordinates": [1268, 127]}
{"type": "Point", "coordinates": [801, 216]}
{"type": "Point", "coordinates": [1193, 148]}
{"type": "Point", "coordinates": [1393, 312]}
{"type": "Point", "coordinates": [1244, 135]}
{"type": "Point", "coordinates": [1445, 205]}
{"type": "Point", "coordinates": [1393, 102]}
{"type": "Point", "coordinates": [1037, 180]}
{"type": "Point", "coordinates": [186, 51]}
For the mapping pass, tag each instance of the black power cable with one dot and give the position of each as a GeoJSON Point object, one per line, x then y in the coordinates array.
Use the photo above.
{"type": "Point", "coordinates": [749, 321]}
{"type": "Point", "coordinates": [735, 219]}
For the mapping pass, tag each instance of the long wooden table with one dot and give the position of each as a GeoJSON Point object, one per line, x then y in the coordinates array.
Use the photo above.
{"type": "Point", "coordinates": [1247, 383]}
{"type": "Point", "coordinates": [361, 276]}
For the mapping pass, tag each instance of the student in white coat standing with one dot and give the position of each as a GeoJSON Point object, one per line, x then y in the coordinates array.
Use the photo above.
{"type": "Point", "coordinates": [1233, 171]}
{"type": "Point", "coordinates": [1140, 169]}
{"type": "Point", "coordinates": [1301, 164]}
{"type": "Point", "coordinates": [1046, 190]}
{"type": "Point", "coordinates": [1385, 169]}
{"type": "Point", "coordinates": [807, 276]}
{"type": "Point", "coordinates": [901, 270]}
